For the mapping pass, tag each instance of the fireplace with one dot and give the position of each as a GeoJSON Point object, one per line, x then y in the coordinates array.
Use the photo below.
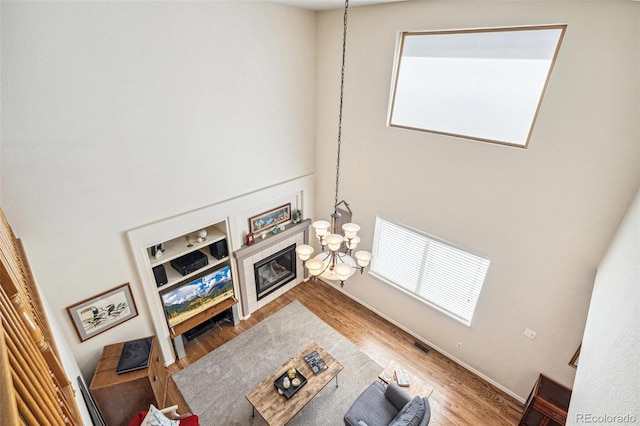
{"type": "Point", "coordinates": [275, 271]}
{"type": "Point", "coordinates": [252, 297]}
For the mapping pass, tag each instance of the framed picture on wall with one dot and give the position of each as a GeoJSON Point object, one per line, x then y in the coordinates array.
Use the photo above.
{"type": "Point", "coordinates": [97, 314]}
{"type": "Point", "coordinates": [575, 358]}
{"type": "Point", "coordinates": [270, 218]}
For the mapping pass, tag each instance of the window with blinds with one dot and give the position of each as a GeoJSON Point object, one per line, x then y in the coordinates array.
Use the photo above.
{"type": "Point", "coordinates": [432, 270]}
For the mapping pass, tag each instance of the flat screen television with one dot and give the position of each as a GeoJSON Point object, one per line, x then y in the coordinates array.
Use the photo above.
{"type": "Point", "coordinates": [188, 300]}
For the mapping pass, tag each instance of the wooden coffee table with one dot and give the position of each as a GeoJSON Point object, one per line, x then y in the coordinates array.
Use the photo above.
{"type": "Point", "coordinates": [417, 387]}
{"type": "Point", "coordinates": [275, 408]}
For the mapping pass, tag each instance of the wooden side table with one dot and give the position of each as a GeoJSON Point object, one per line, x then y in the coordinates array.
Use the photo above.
{"type": "Point", "coordinates": [120, 396]}
{"type": "Point", "coordinates": [417, 386]}
{"type": "Point", "coordinates": [547, 404]}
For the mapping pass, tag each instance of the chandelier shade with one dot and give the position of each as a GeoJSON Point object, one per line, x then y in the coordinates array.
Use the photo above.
{"type": "Point", "coordinates": [335, 261]}
{"type": "Point", "coordinates": [304, 252]}
{"type": "Point", "coordinates": [321, 227]}
{"type": "Point", "coordinates": [363, 257]}
{"type": "Point", "coordinates": [315, 267]}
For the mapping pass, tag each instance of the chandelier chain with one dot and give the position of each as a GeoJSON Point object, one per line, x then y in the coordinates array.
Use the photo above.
{"type": "Point", "coordinates": [335, 261]}
{"type": "Point", "coordinates": [344, 50]}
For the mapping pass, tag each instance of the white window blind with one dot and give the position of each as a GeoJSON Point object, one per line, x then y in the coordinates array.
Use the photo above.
{"type": "Point", "coordinates": [430, 269]}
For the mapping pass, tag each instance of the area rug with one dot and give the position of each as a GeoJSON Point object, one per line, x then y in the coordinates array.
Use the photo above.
{"type": "Point", "coordinates": [216, 384]}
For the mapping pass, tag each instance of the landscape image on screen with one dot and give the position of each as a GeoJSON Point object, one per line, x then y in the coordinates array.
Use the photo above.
{"type": "Point", "coordinates": [190, 299]}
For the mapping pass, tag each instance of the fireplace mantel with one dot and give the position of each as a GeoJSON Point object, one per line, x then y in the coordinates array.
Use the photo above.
{"type": "Point", "coordinates": [246, 256]}
{"type": "Point", "coordinates": [271, 239]}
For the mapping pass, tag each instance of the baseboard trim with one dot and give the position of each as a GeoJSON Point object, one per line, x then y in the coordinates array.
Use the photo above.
{"type": "Point", "coordinates": [435, 347]}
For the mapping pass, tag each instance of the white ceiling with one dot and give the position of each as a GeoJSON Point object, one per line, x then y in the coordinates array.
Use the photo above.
{"type": "Point", "coordinates": [329, 4]}
{"type": "Point", "coordinates": [339, 4]}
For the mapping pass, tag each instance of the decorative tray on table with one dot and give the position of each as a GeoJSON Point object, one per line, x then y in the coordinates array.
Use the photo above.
{"type": "Point", "coordinates": [292, 389]}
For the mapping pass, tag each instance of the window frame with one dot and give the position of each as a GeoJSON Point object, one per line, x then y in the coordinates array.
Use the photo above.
{"type": "Point", "coordinates": [374, 271]}
{"type": "Point", "coordinates": [463, 133]}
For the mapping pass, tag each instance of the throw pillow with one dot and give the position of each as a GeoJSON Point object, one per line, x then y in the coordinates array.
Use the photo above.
{"type": "Point", "coordinates": [411, 414]}
{"type": "Point", "coordinates": [155, 418]}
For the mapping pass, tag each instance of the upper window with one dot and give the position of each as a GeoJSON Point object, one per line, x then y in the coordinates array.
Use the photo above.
{"type": "Point", "coordinates": [434, 271]}
{"type": "Point", "coordinates": [484, 84]}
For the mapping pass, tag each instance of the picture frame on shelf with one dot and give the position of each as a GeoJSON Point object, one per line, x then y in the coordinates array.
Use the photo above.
{"type": "Point", "coordinates": [269, 219]}
{"type": "Point", "coordinates": [102, 312]}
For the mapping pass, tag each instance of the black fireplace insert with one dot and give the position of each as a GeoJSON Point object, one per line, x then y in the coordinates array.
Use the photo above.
{"type": "Point", "coordinates": [275, 271]}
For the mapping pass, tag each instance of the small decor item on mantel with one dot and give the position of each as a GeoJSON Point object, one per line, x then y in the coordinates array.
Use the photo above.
{"type": "Point", "coordinates": [250, 239]}
{"type": "Point", "coordinates": [297, 216]}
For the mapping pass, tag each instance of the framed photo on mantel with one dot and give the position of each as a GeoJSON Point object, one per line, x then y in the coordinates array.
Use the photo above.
{"type": "Point", "coordinates": [270, 218]}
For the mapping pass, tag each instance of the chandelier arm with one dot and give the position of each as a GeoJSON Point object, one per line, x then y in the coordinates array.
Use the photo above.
{"type": "Point", "coordinates": [325, 268]}
{"type": "Point", "coordinates": [344, 51]}
{"type": "Point", "coordinates": [328, 255]}
{"type": "Point", "coordinates": [341, 255]}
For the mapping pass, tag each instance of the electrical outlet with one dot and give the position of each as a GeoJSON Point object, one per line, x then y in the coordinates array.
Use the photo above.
{"type": "Point", "coordinates": [530, 333]}
{"type": "Point", "coordinates": [459, 345]}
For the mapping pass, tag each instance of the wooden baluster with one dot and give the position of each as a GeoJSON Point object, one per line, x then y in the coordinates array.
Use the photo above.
{"type": "Point", "coordinates": [37, 301]}
{"type": "Point", "coordinates": [7, 401]}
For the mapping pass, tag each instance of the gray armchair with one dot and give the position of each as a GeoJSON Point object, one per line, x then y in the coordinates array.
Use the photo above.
{"type": "Point", "coordinates": [390, 406]}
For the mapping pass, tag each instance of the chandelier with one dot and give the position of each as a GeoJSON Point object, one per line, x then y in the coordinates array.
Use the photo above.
{"type": "Point", "coordinates": [335, 261]}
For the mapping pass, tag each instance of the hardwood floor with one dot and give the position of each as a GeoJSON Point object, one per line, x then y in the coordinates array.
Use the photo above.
{"type": "Point", "coordinates": [459, 397]}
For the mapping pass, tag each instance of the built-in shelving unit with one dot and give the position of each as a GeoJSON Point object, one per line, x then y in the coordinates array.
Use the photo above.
{"type": "Point", "coordinates": [186, 244]}
{"type": "Point", "coordinates": [161, 255]}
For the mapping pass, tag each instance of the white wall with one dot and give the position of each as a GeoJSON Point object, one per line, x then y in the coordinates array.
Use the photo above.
{"type": "Point", "coordinates": [119, 114]}
{"type": "Point", "coordinates": [608, 380]}
{"type": "Point", "coordinates": [544, 216]}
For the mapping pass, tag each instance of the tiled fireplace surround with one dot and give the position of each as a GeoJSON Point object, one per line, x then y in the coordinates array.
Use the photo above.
{"type": "Point", "coordinates": [247, 256]}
